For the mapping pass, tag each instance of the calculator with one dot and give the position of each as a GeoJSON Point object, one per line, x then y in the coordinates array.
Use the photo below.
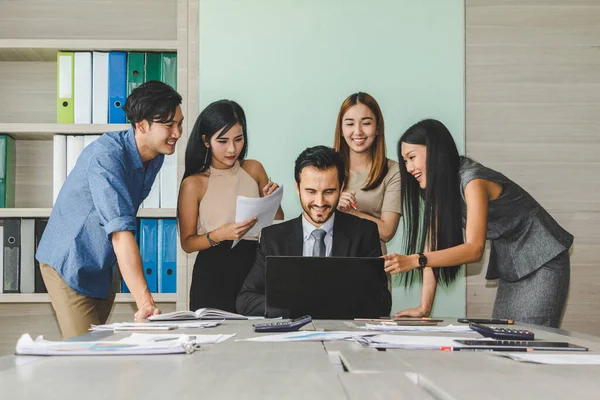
{"type": "Point", "coordinates": [502, 333]}
{"type": "Point", "coordinates": [283, 326]}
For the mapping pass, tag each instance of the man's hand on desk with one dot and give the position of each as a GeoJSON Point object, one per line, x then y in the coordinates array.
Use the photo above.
{"type": "Point", "coordinates": [145, 312]}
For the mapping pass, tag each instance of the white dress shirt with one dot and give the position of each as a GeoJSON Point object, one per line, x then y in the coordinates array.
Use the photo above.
{"type": "Point", "coordinates": [309, 240]}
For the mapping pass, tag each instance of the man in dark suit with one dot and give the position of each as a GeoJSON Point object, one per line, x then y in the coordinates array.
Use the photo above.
{"type": "Point", "coordinates": [320, 230]}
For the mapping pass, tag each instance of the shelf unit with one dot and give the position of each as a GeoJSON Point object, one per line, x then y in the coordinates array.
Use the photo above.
{"type": "Point", "coordinates": [31, 34]}
{"type": "Point", "coordinates": [43, 298]}
{"type": "Point", "coordinates": [45, 212]}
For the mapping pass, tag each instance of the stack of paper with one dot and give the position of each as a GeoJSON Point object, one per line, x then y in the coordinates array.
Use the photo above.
{"type": "Point", "coordinates": [409, 342]}
{"type": "Point", "coordinates": [309, 336]}
{"type": "Point", "coordinates": [40, 347]}
{"type": "Point", "coordinates": [144, 338]}
{"type": "Point", "coordinates": [164, 326]}
{"type": "Point", "coordinates": [401, 328]}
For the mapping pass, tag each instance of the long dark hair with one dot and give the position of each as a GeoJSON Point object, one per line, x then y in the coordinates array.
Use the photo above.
{"type": "Point", "coordinates": [439, 202]}
{"type": "Point", "coordinates": [221, 114]}
{"type": "Point", "coordinates": [379, 160]}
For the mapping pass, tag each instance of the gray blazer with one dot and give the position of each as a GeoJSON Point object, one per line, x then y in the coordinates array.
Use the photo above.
{"type": "Point", "coordinates": [523, 235]}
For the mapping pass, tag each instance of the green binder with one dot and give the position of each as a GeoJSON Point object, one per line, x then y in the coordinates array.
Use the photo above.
{"type": "Point", "coordinates": [64, 87]}
{"type": "Point", "coordinates": [135, 71]}
{"type": "Point", "coordinates": [169, 69]}
{"type": "Point", "coordinates": [7, 172]}
{"type": "Point", "coordinates": [153, 67]}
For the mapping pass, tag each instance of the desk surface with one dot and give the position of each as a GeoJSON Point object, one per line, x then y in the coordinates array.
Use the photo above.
{"type": "Point", "coordinates": [301, 370]}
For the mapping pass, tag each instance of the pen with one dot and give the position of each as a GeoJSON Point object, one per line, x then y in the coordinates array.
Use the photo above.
{"type": "Point", "coordinates": [173, 338]}
{"type": "Point", "coordinates": [353, 205]}
{"type": "Point", "coordinates": [450, 348]}
{"type": "Point", "coordinates": [487, 321]}
{"type": "Point", "coordinates": [400, 319]}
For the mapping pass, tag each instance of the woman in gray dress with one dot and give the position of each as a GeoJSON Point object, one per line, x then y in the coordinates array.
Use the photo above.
{"type": "Point", "coordinates": [443, 193]}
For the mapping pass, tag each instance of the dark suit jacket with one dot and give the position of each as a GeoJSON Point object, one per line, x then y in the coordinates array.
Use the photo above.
{"type": "Point", "coordinates": [352, 237]}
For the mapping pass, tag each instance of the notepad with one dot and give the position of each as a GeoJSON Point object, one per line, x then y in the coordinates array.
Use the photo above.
{"type": "Point", "coordinates": [202, 313]}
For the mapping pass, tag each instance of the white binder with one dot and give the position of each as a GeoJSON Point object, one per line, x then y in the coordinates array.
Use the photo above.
{"type": "Point", "coordinates": [59, 164]}
{"type": "Point", "coordinates": [100, 88]}
{"type": "Point", "coordinates": [168, 182]}
{"type": "Point", "coordinates": [83, 88]}
{"type": "Point", "coordinates": [75, 146]}
{"type": "Point", "coordinates": [153, 199]}
{"type": "Point", "coordinates": [87, 139]}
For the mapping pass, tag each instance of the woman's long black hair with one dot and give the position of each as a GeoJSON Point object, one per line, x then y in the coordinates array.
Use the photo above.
{"type": "Point", "coordinates": [221, 114]}
{"type": "Point", "coordinates": [432, 214]}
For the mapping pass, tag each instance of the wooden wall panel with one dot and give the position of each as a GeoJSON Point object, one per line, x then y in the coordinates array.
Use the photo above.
{"type": "Point", "coordinates": [89, 19]}
{"type": "Point", "coordinates": [533, 113]}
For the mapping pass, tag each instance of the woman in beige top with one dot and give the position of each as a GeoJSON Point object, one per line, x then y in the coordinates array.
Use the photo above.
{"type": "Point", "coordinates": [372, 185]}
{"type": "Point", "coordinates": [215, 174]}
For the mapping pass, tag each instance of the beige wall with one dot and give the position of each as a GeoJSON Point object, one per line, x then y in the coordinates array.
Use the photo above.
{"type": "Point", "coordinates": [533, 113]}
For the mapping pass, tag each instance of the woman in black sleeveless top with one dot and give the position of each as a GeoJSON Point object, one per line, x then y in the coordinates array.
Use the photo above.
{"type": "Point", "coordinates": [529, 249]}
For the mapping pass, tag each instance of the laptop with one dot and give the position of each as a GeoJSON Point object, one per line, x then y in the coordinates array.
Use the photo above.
{"type": "Point", "coordinates": [325, 287]}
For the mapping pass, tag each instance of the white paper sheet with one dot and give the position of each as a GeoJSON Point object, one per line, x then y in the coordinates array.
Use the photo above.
{"type": "Point", "coordinates": [415, 328]}
{"type": "Point", "coordinates": [309, 336]}
{"type": "Point", "coordinates": [263, 208]}
{"type": "Point", "coordinates": [386, 341]}
{"type": "Point", "coordinates": [555, 359]}
{"type": "Point", "coordinates": [143, 338]}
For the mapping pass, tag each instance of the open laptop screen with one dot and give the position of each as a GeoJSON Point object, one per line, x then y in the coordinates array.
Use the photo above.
{"type": "Point", "coordinates": [325, 287]}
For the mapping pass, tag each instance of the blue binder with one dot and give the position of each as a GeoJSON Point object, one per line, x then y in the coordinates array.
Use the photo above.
{"type": "Point", "coordinates": [167, 256]}
{"type": "Point", "coordinates": [149, 250]}
{"type": "Point", "coordinates": [117, 86]}
{"type": "Point", "coordinates": [124, 288]}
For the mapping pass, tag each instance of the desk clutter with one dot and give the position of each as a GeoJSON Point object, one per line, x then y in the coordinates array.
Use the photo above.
{"type": "Point", "coordinates": [182, 337]}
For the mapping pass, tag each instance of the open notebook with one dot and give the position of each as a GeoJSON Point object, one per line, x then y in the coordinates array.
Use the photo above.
{"type": "Point", "coordinates": [202, 313]}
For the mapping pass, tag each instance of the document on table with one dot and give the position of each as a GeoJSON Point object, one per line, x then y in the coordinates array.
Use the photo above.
{"type": "Point", "coordinates": [40, 347]}
{"type": "Point", "coordinates": [385, 341]}
{"type": "Point", "coordinates": [555, 359]}
{"type": "Point", "coordinates": [143, 338]}
{"type": "Point", "coordinates": [309, 336]}
{"type": "Point", "coordinates": [399, 328]}
{"type": "Point", "coordinates": [263, 208]}
{"type": "Point", "coordinates": [163, 326]}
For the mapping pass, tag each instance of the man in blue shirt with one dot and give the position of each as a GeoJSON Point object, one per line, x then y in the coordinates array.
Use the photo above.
{"type": "Point", "coordinates": [93, 221]}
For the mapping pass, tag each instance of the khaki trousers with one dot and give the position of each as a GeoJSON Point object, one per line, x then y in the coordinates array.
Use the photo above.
{"type": "Point", "coordinates": [74, 312]}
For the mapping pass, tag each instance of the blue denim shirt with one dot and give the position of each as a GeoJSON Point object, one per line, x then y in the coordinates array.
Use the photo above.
{"type": "Point", "coordinates": [101, 195]}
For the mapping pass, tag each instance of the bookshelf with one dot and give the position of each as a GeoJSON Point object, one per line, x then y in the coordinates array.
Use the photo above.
{"type": "Point", "coordinates": [43, 298]}
{"type": "Point", "coordinates": [45, 212]}
{"type": "Point", "coordinates": [31, 33]}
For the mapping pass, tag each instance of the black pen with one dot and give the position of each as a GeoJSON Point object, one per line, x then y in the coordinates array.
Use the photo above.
{"type": "Point", "coordinates": [450, 348]}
